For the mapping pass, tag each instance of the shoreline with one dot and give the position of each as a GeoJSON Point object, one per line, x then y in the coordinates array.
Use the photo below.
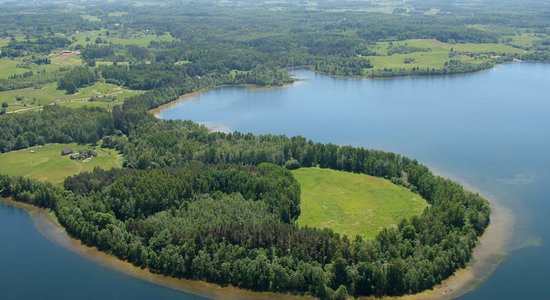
{"type": "Point", "coordinates": [157, 110]}
{"type": "Point", "coordinates": [487, 255]}
{"type": "Point", "coordinates": [489, 252]}
{"type": "Point", "coordinates": [46, 223]}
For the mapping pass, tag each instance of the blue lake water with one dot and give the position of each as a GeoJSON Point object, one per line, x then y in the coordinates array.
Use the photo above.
{"type": "Point", "coordinates": [33, 267]}
{"type": "Point", "coordinates": [490, 129]}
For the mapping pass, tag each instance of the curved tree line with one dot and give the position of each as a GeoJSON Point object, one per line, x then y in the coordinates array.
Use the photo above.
{"type": "Point", "coordinates": [221, 207]}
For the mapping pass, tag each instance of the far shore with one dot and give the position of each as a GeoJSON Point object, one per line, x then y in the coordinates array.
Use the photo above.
{"type": "Point", "coordinates": [490, 251]}
{"type": "Point", "coordinates": [156, 111]}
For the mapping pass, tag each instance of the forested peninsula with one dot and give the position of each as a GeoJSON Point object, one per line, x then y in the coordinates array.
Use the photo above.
{"type": "Point", "coordinates": [221, 207]}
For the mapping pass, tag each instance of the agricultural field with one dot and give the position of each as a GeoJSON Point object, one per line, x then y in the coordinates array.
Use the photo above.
{"type": "Point", "coordinates": [9, 67]}
{"type": "Point", "coordinates": [118, 38]}
{"type": "Point", "coordinates": [45, 163]}
{"type": "Point", "coordinates": [525, 41]}
{"type": "Point", "coordinates": [353, 204]}
{"type": "Point", "coordinates": [18, 66]}
{"type": "Point", "coordinates": [431, 53]}
{"type": "Point", "coordinates": [4, 42]}
{"type": "Point", "coordinates": [30, 98]}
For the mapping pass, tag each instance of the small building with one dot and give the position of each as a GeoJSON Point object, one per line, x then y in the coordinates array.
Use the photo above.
{"type": "Point", "coordinates": [66, 151]}
{"type": "Point", "coordinates": [76, 156]}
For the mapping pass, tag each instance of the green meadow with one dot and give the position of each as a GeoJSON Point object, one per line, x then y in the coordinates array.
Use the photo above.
{"type": "Point", "coordinates": [25, 99]}
{"type": "Point", "coordinates": [353, 204]}
{"type": "Point", "coordinates": [45, 163]}
{"type": "Point", "coordinates": [137, 38]}
{"type": "Point", "coordinates": [18, 66]}
{"type": "Point", "coordinates": [434, 54]}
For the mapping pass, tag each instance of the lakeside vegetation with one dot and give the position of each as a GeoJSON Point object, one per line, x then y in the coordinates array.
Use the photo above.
{"type": "Point", "coordinates": [222, 207]}
{"type": "Point", "coordinates": [353, 204]}
{"type": "Point", "coordinates": [213, 206]}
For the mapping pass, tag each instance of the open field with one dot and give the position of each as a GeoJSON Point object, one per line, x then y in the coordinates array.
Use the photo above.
{"type": "Point", "coordinates": [90, 18]}
{"type": "Point", "coordinates": [353, 204]}
{"type": "Point", "coordinates": [4, 42]}
{"type": "Point", "coordinates": [9, 67]}
{"type": "Point", "coordinates": [138, 38]}
{"type": "Point", "coordinates": [35, 98]}
{"type": "Point", "coordinates": [523, 41]}
{"type": "Point", "coordinates": [47, 164]}
{"type": "Point", "coordinates": [433, 54]}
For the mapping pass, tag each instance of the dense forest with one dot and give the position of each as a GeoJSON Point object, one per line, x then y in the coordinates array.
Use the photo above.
{"type": "Point", "coordinates": [256, 45]}
{"type": "Point", "coordinates": [221, 207]}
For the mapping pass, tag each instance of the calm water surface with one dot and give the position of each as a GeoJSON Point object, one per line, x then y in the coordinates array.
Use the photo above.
{"type": "Point", "coordinates": [32, 267]}
{"type": "Point", "coordinates": [490, 129]}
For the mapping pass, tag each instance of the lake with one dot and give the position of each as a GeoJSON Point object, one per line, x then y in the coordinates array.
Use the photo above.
{"type": "Point", "coordinates": [33, 267]}
{"type": "Point", "coordinates": [489, 130]}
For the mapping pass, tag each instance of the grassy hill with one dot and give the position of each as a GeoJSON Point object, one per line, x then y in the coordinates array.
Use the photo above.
{"type": "Point", "coordinates": [353, 204]}
{"type": "Point", "coordinates": [46, 163]}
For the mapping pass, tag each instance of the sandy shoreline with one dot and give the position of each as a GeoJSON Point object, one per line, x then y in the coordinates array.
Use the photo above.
{"type": "Point", "coordinates": [47, 224]}
{"type": "Point", "coordinates": [489, 252]}
{"type": "Point", "coordinates": [486, 256]}
{"type": "Point", "coordinates": [156, 111]}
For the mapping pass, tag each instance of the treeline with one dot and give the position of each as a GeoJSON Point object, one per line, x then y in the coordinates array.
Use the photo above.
{"type": "Point", "coordinates": [209, 227]}
{"type": "Point", "coordinates": [140, 194]}
{"type": "Point", "coordinates": [37, 80]}
{"type": "Point", "coordinates": [203, 205]}
{"type": "Point", "coordinates": [451, 67]}
{"type": "Point", "coordinates": [75, 79]}
{"type": "Point", "coordinates": [42, 45]}
{"type": "Point", "coordinates": [94, 52]}
{"type": "Point", "coordinates": [54, 124]}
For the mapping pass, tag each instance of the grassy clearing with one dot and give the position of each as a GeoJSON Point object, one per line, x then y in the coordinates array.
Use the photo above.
{"type": "Point", "coordinates": [137, 38]}
{"type": "Point", "coordinates": [353, 204]}
{"type": "Point", "coordinates": [35, 98]}
{"type": "Point", "coordinates": [46, 163]}
{"type": "Point", "coordinates": [524, 41]}
{"type": "Point", "coordinates": [433, 54]}
{"type": "Point", "coordinates": [90, 18]}
{"type": "Point", "coordinates": [110, 63]}
{"type": "Point", "coordinates": [9, 67]}
{"type": "Point", "coordinates": [432, 12]}
{"type": "Point", "coordinates": [4, 42]}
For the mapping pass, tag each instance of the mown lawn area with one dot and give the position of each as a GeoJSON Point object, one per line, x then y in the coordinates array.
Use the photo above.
{"type": "Point", "coordinates": [46, 163]}
{"type": "Point", "coordinates": [353, 204]}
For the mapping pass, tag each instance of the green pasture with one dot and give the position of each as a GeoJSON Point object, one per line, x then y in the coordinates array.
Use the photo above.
{"type": "Point", "coordinates": [118, 38]}
{"type": "Point", "coordinates": [45, 163]}
{"type": "Point", "coordinates": [434, 54]}
{"type": "Point", "coordinates": [24, 99]}
{"type": "Point", "coordinates": [353, 204]}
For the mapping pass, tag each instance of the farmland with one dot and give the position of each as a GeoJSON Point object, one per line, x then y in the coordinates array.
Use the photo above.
{"type": "Point", "coordinates": [45, 163]}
